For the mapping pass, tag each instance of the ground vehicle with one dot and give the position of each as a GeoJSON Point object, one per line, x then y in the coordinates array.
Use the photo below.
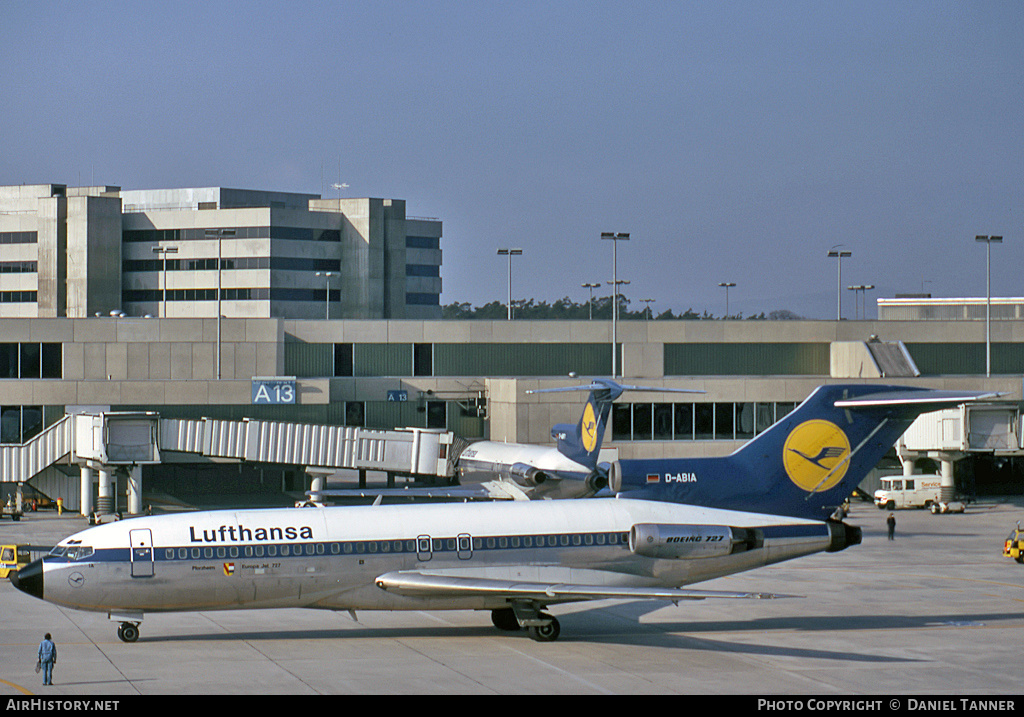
{"type": "Point", "coordinates": [13, 557]}
{"type": "Point", "coordinates": [914, 491]}
{"type": "Point", "coordinates": [1014, 545]}
{"type": "Point", "coordinates": [11, 511]}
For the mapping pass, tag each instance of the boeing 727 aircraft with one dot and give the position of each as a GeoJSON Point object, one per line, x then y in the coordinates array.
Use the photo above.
{"type": "Point", "coordinates": [569, 469]}
{"type": "Point", "coordinates": [515, 559]}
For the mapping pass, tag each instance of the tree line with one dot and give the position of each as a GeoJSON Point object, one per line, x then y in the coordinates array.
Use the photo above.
{"type": "Point", "coordinates": [567, 309]}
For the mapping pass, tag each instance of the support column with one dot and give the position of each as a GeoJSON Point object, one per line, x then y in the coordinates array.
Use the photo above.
{"type": "Point", "coordinates": [85, 490]}
{"type": "Point", "coordinates": [108, 485]}
{"type": "Point", "coordinates": [135, 490]}
{"type": "Point", "coordinates": [947, 486]}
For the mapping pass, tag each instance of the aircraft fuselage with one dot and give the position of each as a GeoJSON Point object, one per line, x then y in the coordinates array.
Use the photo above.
{"type": "Point", "coordinates": [330, 557]}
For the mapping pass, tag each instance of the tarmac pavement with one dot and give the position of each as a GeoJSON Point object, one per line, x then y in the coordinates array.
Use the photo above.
{"type": "Point", "coordinates": [936, 612]}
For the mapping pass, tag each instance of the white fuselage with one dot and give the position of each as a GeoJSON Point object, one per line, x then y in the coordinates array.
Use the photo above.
{"type": "Point", "coordinates": [329, 557]}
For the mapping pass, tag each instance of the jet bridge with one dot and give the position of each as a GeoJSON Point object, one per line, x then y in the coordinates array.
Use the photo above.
{"type": "Point", "coordinates": [108, 442]}
{"type": "Point", "coordinates": [955, 433]}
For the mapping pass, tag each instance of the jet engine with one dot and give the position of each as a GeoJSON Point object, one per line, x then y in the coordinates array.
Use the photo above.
{"type": "Point", "coordinates": [526, 475]}
{"type": "Point", "coordinates": [691, 542]}
{"type": "Point", "coordinates": [843, 536]}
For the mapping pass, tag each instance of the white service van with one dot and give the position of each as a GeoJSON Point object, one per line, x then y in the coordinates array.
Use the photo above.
{"type": "Point", "coordinates": [913, 491]}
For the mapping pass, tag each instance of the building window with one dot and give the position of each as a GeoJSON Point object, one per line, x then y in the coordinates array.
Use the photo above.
{"type": "Point", "coordinates": [343, 364]}
{"type": "Point", "coordinates": [422, 359]}
{"type": "Point", "coordinates": [422, 242]}
{"type": "Point", "coordinates": [422, 270]}
{"type": "Point", "coordinates": [20, 423]}
{"type": "Point", "coordinates": [355, 413]}
{"type": "Point", "coordinates": [437, 414]}
{"type": "Point", "coordinates": [31, 360]}
{"type": "Point", "coordinates": [19, 237]}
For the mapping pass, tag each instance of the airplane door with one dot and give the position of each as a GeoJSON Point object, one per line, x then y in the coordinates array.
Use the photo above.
{"type": "Point", "coordinates": [465, 546]}
{"type": "Point", "coordinates": [424, 549]}
{"type": "Point", "coordinates": [141, 552]}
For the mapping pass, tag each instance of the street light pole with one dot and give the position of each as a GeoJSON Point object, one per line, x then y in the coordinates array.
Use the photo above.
{"type": "Point", "coordinates": [648, 302]}
{"type": "Point", "coordinates": [165, 250]}
{"type": "Point", "coordinates": [615, 239]}
{"type": "Point", "coordinates": [327, 274]}
{"type": "Point", "coordinates": [220, 234]}
{"type": "Point", "coordinates": [860, 289]}
{"type": "Point", "coordinates": [727, 284]}
{"type": "Point", "coordinates": [840, 255]}
{"type": "Point", "coordinates": [590, 304]}
{"type": "Point", "coordinates": [989, 241]}
{"type": "Point", "coordinates": [510, 253]}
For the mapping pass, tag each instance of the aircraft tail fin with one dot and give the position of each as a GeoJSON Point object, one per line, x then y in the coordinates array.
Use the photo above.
{"type": "Point", "coordinates": [805, 465]}
{"type": "Point", "coordinates": [582, 442]}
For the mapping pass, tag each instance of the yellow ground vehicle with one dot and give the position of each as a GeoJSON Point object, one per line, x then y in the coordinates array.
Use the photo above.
{"type": "Point", "coordinates": [1014, 545]}
{"type": "Point", "coordinates": [13, 557]}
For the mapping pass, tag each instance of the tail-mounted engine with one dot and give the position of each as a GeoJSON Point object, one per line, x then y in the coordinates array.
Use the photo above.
{"type": "Point", "coordinates": [842, 536]}
{"type": "Point", "coordinates": [526, 475]}
{"type": "Point", "coordinates": [691, 542]}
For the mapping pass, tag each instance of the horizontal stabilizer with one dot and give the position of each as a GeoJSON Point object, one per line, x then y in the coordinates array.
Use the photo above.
{"type": "Point", "coordinates": [413, 583]}
{"type": "Point", "coordinates": [916, 398]}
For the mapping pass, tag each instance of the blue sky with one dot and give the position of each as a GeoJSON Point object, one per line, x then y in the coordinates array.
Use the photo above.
{"type": "Point", "coordinates": [734, 141]}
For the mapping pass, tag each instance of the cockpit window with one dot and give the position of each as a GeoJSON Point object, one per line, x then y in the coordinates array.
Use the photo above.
{"type": "Point", "coordinates": [79, 552]}
{"type": "Point", "coordinates": [58, 551]}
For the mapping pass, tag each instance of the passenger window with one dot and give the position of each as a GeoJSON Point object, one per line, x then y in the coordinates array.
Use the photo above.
{"type": "Point", "coordinates": [7, 555]}
{"type": "Point", "coordinates": [910, 485]}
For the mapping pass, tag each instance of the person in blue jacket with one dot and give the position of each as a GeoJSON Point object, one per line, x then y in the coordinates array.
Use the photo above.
{"type": "Point", "coordinates": [47, 658]}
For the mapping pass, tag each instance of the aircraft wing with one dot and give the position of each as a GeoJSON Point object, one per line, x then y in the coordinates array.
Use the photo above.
{"type": "Point", "coordinates": [414, 583]}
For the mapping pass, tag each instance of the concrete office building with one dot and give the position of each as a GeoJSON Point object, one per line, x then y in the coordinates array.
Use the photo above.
{"type": "Point", "coordinates": [283, 263]}
{"type": "Point", "coordinates": [469, 377]}
{"type": "Point", "coordinates": [185, 253]}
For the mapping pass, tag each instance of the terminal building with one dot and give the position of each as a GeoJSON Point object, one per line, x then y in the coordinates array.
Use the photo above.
{"type": "Point", "coordinates": [327, 323]}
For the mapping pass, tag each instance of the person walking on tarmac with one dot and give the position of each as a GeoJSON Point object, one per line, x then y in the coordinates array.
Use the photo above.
{"type": "Point", "coordinates": [891, 522]}
{"type": "Point", "coordinates": [47, 658]}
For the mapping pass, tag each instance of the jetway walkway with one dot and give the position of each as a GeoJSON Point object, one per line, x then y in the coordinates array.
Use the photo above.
{"type": "Point", "coordinates": [106, 441]}
{"type": "Point", "coordinates": [954, 433]}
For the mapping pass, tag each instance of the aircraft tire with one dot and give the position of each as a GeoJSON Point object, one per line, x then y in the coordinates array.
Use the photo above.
{"type": "Point", "coordinates": [505, 619]}
{"type": "Point", "coordinates": [128, 632]}
{"type": "Point", "coordinates": [548, 632]}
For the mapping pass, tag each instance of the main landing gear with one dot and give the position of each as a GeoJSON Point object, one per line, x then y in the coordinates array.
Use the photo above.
{"type": "Point", "coordinates": [541, 626]}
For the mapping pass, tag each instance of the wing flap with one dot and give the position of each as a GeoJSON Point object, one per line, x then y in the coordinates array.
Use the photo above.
{"type": "Point", "coordinates": [413, 583]}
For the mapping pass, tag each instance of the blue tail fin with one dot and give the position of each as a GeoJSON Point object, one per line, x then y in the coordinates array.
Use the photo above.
{"type": "Point", "coordinates": [582, 442]}
{"type": "Point", "coordinates": [805, 465]}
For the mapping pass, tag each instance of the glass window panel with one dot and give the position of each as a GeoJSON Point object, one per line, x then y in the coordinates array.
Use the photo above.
{"type": "Point", "coordinates": [622, 422]}
{"type": "Point", "coordinates": [8, 360]}
{"type": "Point", "coordinates": [30, 361]}
{"type": "Point", "coordinates": [53, 361]}
{"type": "Point", "coordinates": [704, 421]}
{"type": "Point", "coordinates": [31, 422]}
{"type": "Point", "coordinates": [643, 421]}
{"type": "Point", "coordinates": [744, 420]}
{"type": "Point", "coordinates": [683, 421]}
{"type": "Point", "coordinates": [724, 421]}
{"type": "Point", "coordinates": [10, 424]}
{"type": "Point", "coordinates": [663, 421]}
{"type": "Point", "coordinates": [764, 416]}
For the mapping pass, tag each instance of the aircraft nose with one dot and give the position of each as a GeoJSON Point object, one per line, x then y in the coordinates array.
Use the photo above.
{"type": "Point", "coordinates": [30, 579]}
